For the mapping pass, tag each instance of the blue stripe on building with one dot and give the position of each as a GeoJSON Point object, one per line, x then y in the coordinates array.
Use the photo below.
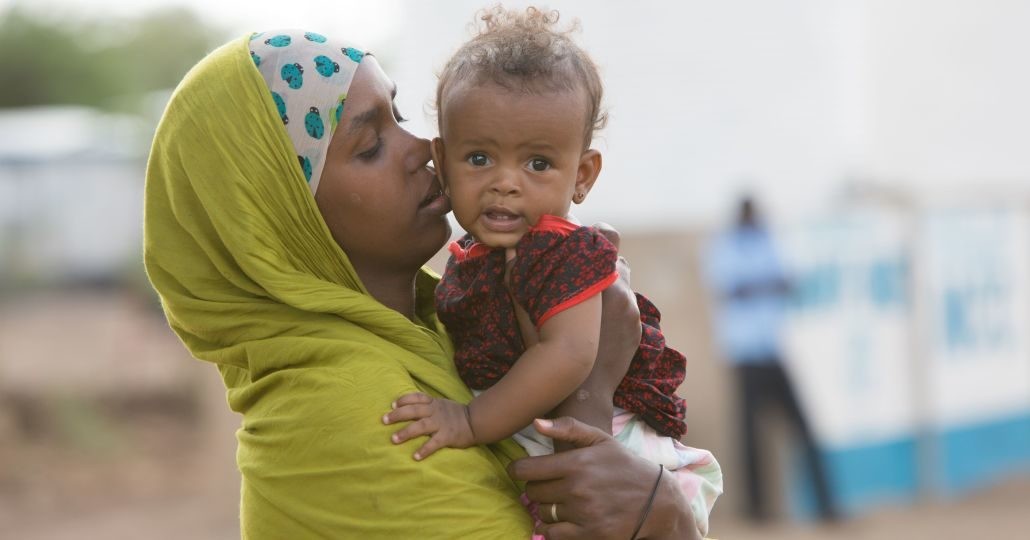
{"type": "Point", "coordinates": [981, 454]}
{"type": "Point", "coordinates": [968, 457]}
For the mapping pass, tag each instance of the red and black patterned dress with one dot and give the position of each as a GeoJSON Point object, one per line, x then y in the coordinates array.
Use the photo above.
{"type": "Point", "coordinates": [558, 265]}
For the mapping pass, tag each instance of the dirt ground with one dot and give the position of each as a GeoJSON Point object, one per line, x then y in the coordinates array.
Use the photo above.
{"type": "Point", "coordinates": [109, 430]}
{"type": "Point", "coordinates": [164, 494]}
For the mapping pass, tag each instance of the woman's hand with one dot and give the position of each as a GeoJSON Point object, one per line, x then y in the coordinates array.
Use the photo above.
{"type": "Point", "coordinates": [600, 489]}
{"type": "Point", "coordinates": [446, 422]}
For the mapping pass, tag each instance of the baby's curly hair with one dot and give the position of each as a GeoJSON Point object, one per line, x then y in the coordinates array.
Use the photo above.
{"type": "Point", "coordinates": [525, 51]}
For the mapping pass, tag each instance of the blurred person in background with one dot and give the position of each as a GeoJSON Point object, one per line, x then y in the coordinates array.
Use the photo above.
{"type": "Point", "coordinates": [752, 289]}
{"type": "Point", "coordinates": [291, 254]}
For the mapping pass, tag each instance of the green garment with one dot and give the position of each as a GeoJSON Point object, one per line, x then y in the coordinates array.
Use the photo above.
{"type": "Point", "coordinates": [251, 280]}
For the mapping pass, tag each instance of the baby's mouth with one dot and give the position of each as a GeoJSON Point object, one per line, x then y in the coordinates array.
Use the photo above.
{"type": "Point", "coordinates": [500, 214]}
{"type": "Point", "coordinates": [501, 220]}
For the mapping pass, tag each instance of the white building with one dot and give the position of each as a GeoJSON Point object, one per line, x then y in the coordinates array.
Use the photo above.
{"type": "Point", "coordinates": [790, 98]}
{"type": "Point", "coordinates": [71, 190]}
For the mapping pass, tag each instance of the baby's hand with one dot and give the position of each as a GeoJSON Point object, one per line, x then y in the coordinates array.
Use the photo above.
{"type": "Point", "coordinates": [446, 422]}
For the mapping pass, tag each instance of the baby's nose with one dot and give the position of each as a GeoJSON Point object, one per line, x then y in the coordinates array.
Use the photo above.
{"type": "Point", "coordinates": [506, 183]}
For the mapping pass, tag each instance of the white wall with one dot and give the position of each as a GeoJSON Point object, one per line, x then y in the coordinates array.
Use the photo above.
{"type": "Point", "coordinates": [950, 83]}
{"type": "Point", "coordinates": [788, 97]}
{"type": "Point", "coordinates": [704, 96]}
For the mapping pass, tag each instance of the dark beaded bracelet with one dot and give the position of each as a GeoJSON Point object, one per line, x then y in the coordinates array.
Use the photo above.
{"type": "Point", "coordinates": [647, 507]}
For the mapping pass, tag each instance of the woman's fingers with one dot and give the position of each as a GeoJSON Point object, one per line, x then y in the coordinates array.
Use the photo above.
{"type": "Point", "coordinates": [556, 466]}
{"type": "Point", "coordinates": [612, 235]}
{"type": "Point", "coordinates": [572, 431]}
{"type": "Point", "coordinates": [547, 492]}
{"type": "Point", "coordinates": [599, 486]}
{"type": "Point", "coordinates": [608, 232]}
{"type": "Point", "coordinates": [624, 270]}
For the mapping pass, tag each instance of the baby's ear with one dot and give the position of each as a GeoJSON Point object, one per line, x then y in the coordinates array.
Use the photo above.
{"type": "Point", "coordinates": [437, 149]}
{"type": "Point", "coordinates": [586, 174]}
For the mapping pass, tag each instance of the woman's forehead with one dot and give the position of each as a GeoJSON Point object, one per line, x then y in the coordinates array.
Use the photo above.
{"type": "Point", "coordinates": [371, 83]}
{"type": "Point", "coordinates": [369, 102]}
{"type": "Point", "coordinates": [370, 97]}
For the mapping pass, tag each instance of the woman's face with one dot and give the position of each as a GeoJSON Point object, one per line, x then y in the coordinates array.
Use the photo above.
{"type": "Point", "coordinates": [377, 194]}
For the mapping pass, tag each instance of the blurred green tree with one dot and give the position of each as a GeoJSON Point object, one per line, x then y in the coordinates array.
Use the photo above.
{"type": "Point", "coordinates": [111, 64]}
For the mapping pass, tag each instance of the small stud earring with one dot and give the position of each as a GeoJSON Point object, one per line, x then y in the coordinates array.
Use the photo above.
{"type": "Point", "coordinates": [578, 197]}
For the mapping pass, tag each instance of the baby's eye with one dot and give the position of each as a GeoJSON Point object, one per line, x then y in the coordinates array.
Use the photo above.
{"type": "Point", "coordinates": [478, 159]}
{"type": "Point", "coordinates": [539, 165]}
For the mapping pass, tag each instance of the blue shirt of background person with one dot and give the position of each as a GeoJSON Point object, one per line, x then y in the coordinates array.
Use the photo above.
{"type": "Point", "coordinates": [745, 273]}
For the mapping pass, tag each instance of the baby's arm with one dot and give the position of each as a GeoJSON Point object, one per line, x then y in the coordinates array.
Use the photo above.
{"type": "Point", "coordinates": [591, 403]}
{"type": "Point", "coordinates": [543, 376]}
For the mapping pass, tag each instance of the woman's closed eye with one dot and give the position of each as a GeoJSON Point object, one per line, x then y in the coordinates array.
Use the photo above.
{"type": "Point", "coordinates": [478, 159]}
{"type": "Point", "coordinates": [397, 114]}
{"type": "Point", "coordinates": [371, 153]}
{"type": "Point", "coordinates": [539, 164]}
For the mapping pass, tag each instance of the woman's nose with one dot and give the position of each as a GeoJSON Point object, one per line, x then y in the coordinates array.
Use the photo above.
{"type": "Point", "coordinates": [419, 155]}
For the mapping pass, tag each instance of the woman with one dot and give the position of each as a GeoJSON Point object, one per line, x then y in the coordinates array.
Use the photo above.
{"type": "Point", "coordinates": [287, 219]}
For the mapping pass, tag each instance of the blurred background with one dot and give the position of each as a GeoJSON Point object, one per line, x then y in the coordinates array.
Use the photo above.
{"type": "Point", "coordinates": [884, 143]}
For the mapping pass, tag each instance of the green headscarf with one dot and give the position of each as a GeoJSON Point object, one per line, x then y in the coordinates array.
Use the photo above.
{"type": "Point", "coordinates": [251, 280]}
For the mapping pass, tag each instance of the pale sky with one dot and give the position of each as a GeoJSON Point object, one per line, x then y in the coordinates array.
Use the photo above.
{"type": "Point", "coordinates": [789, 98]}
{"type": "Point", "coordinates": [368, 22]}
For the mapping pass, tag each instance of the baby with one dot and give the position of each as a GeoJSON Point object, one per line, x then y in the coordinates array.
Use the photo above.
{"type": "Point", "coordinates": [518, 106]}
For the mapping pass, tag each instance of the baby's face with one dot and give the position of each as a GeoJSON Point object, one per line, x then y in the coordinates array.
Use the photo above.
{"type": "Point", "coordinates": [509, 158]}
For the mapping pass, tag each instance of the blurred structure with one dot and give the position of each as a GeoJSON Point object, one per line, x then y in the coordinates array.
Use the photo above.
{"type": "Point", "coordinates": [70, 193]}
{"type": "Point", "coordinates": [103, 416]}
{"type": "Point", "coordinates": [908, 339]}
{"type": "Point", "coordinates": [850, 355]}
{"type": "Point", "coordinates": [100, 406]}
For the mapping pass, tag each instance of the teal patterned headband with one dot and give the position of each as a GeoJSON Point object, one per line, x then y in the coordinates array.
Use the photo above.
{"type": "Point", "coordinates": [308, 76]}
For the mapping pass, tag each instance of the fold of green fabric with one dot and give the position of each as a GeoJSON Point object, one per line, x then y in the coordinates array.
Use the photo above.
{"type": "Point", "coordinates": [251, 280]}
